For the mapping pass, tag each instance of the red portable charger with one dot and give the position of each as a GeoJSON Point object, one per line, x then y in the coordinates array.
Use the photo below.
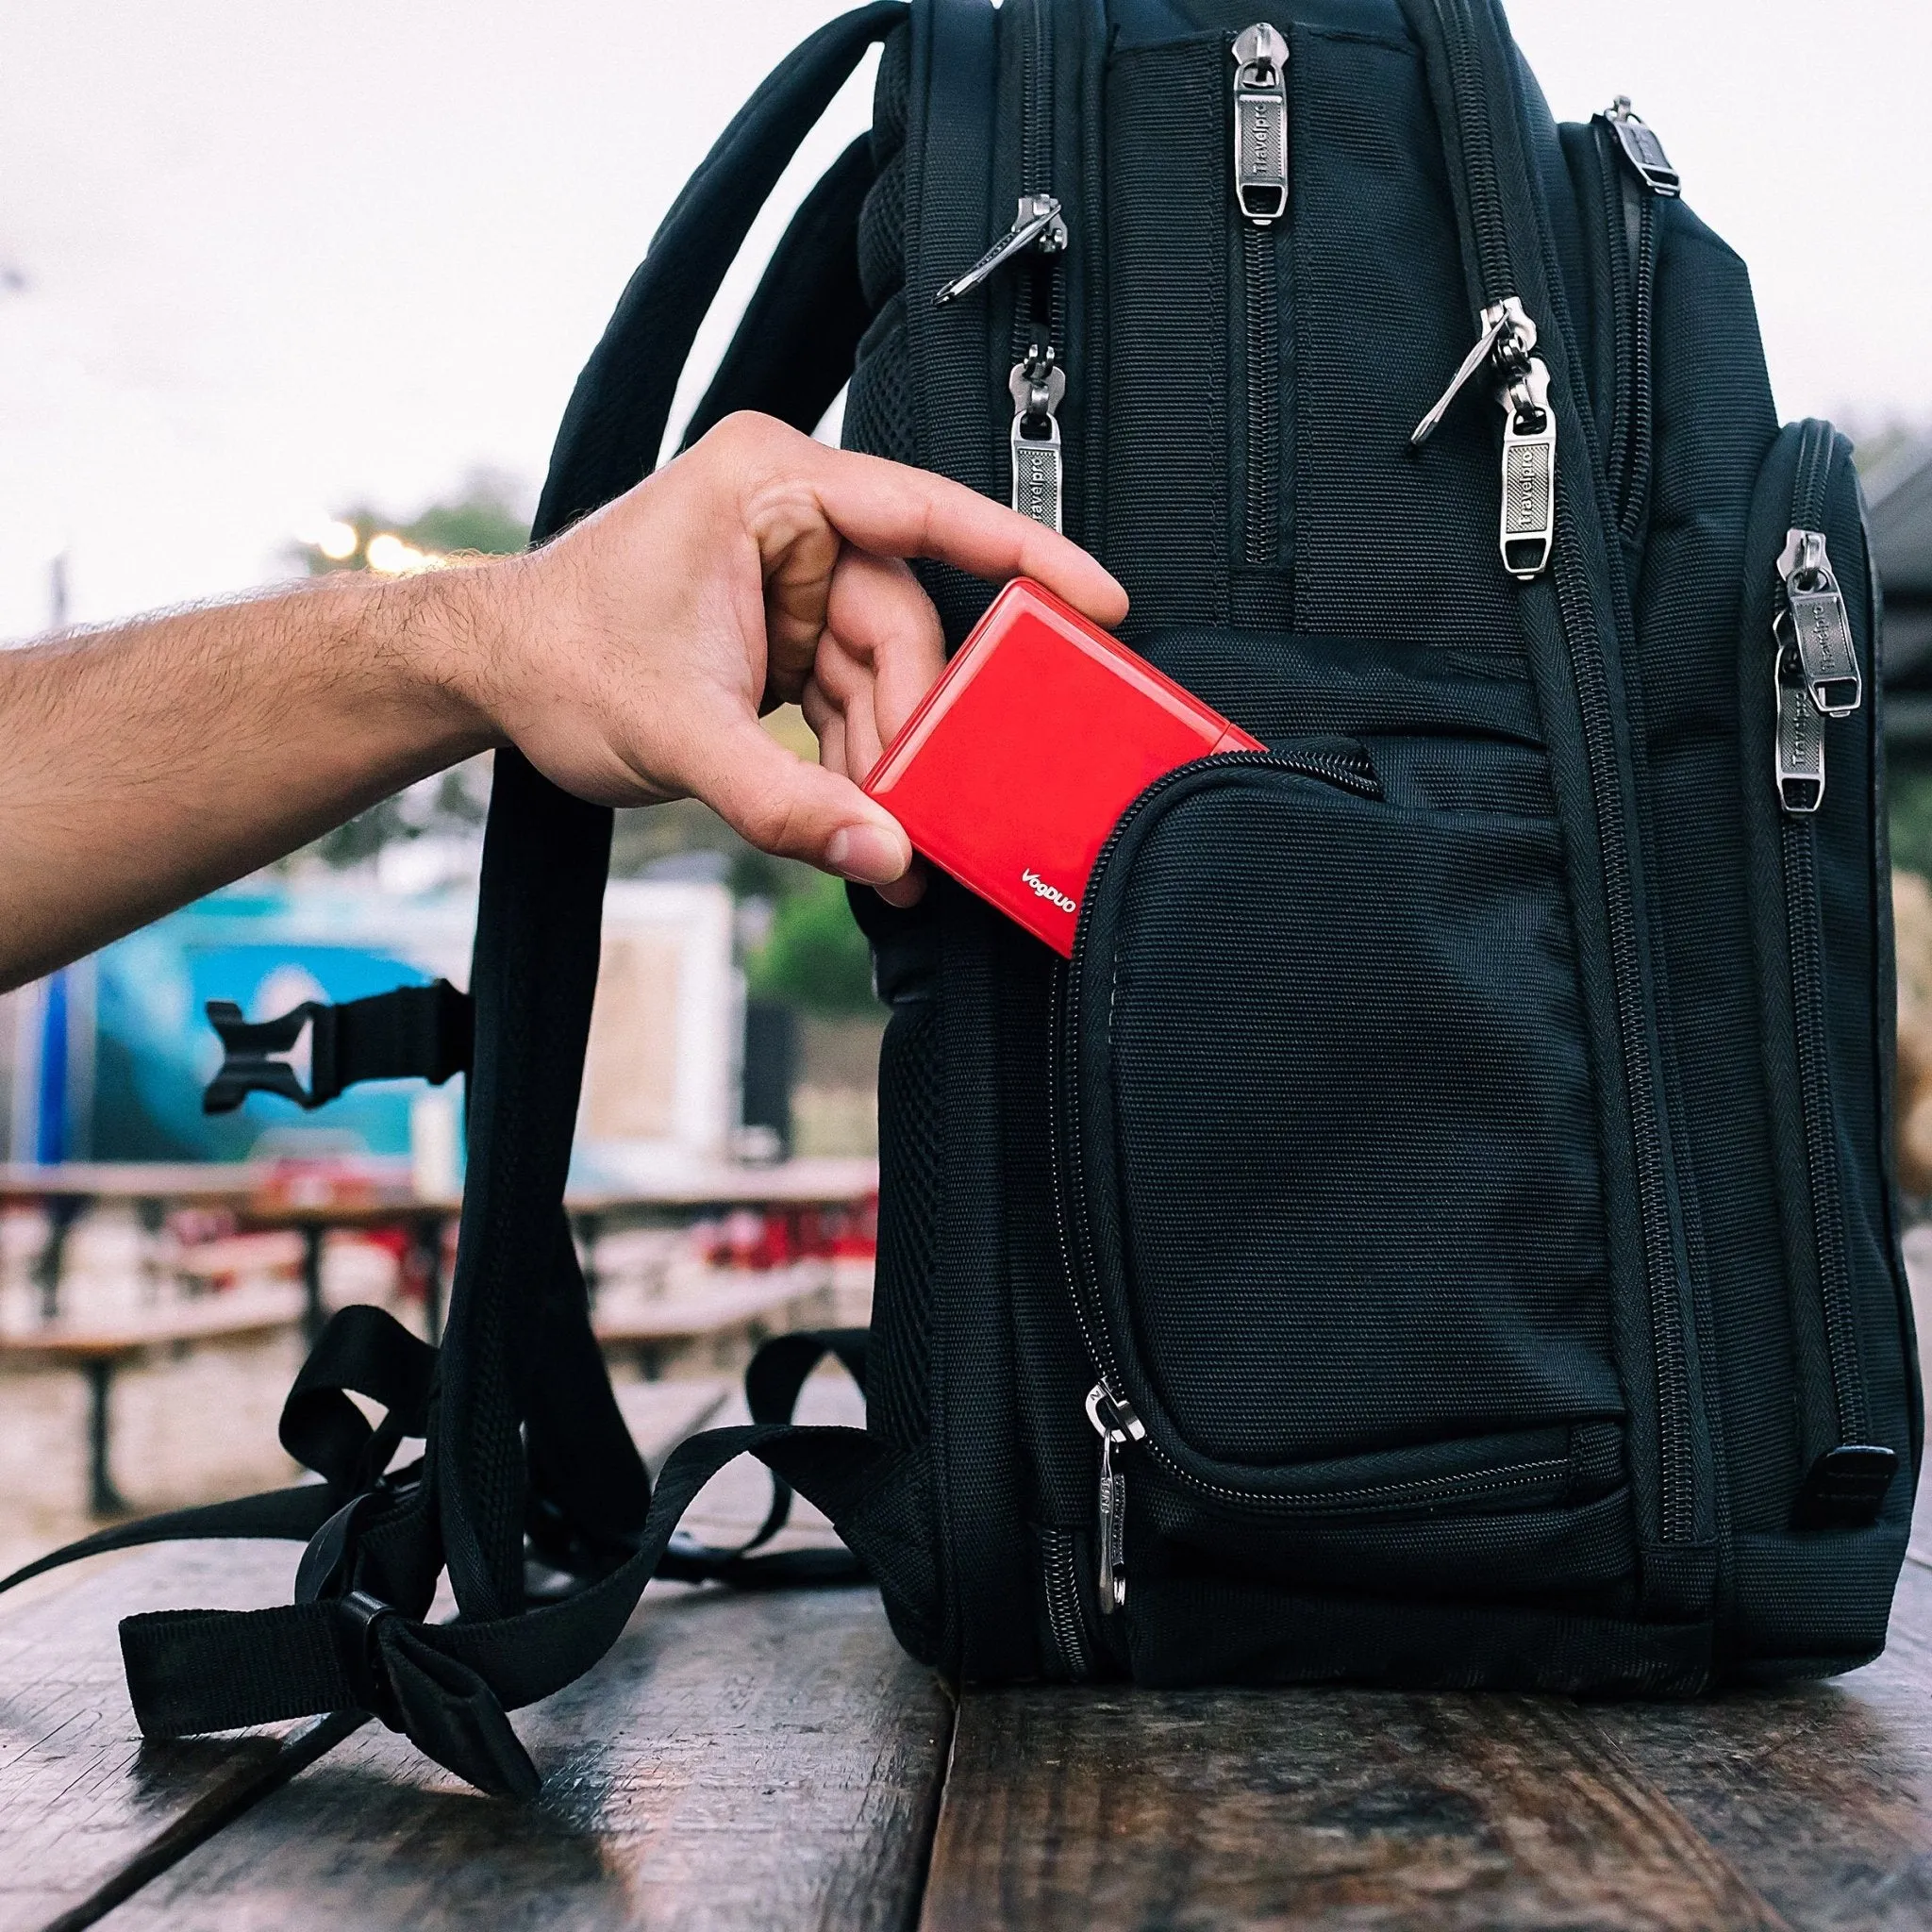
{"type": "Point", "coordinates": [1021, 759]}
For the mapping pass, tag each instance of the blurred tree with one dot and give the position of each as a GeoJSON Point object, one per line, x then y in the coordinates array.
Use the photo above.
{"type": "Point", "coordinates": [1909, 785]}
{"type": "Point", "coordinates": [816, 958]}
{"type": "Point", "coordinates": [482, 520]}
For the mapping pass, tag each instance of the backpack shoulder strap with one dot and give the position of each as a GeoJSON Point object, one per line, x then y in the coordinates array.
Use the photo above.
{"type": "Point", "coordinates": [524, 1433]}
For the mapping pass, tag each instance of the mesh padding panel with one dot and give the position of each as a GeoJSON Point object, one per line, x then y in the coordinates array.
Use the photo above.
{"type": "Point", "coordinates": [878, 405]}
{"type": "Point", "coordinates": [901, 1359]}
{"type": "Point", "coordinates": [891, 94]}
{"type": "Point", "coordinates": [882, 233]}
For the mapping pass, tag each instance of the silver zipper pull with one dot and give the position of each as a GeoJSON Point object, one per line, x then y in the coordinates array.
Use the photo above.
{"type": "Point", "coordinates": [1038, 225]}
{"type": "Point", "coordinates": [1800, 738]}
{"type": "Point", "coordinates": [1529, 472]}
{"type": "Point", "coordinates": [1116, 1426]}
{"type": "Point", "coordinates": [1816, 625]}
{"type": "Point", "coordinates": [1507, 338]}
{"type": "Point", "coordinates": [1642, 149]}
{"type": "Point", "coordinates": [1038, 387]}
{"type": "Point", "coordinates": [1261, 123]}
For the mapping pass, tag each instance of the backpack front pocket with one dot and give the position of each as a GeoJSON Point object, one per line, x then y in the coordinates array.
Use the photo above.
{"type": "Point", "coordinates": [1327, 1180]}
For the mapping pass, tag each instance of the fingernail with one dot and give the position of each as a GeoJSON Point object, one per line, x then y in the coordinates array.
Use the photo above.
{"type": "Point", "coordinates": [867, 854]}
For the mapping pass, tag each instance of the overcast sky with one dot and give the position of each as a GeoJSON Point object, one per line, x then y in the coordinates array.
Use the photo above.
{"type": "Point", "coordinates": [264, 260]}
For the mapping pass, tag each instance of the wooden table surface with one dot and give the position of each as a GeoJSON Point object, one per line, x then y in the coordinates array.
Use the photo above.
{"type": "Point", "coordinates": [227, 1316]}
{"type": "Point", "coordinates": [132, 1180]}
{"type": "Point", "coordinates": [779, 1761]}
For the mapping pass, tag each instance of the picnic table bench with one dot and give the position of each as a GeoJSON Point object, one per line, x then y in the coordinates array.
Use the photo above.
{"type": "Point", "coordinates": [67, 1190]}
{"type": "Point", "coordinates": [776, 1760]}
{"type": "Point", "coordinates": [97, 1349]}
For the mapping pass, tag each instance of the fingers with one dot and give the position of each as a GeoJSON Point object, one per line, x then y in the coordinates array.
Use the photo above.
{"type": "Point", "coordinates": [782, 805]}
{"type": "Point", "coordinates": [898, 511]}
{"type": "Point", "coordinates": [828, 723]}
{"type": "Point", "coordinates": [878, 614]}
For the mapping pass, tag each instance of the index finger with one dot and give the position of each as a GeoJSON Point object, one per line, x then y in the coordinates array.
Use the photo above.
{"type": "Point", "coordinates": [899, 511]}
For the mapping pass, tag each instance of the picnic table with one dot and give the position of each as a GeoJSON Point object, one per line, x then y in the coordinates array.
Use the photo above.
{"type": "Point", "coordinates": [776, 1760]}
{"type": "Point", "coordinates": [66, 1190]}
{"type": "Point", "coordinates": [98, 1349]}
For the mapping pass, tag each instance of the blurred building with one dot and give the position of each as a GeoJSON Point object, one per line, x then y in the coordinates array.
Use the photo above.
{"type": "Point", "coordinates": [106, 1061]}
{"type": "Point", "coordinates": [1898, 493]}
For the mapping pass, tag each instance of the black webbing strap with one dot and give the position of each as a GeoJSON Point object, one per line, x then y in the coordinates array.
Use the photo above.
{"type": "Point", "coordinates": [771, 1385]}
{"type": "Point", "coordinates": [447, 1686]}
{"type": "Point", "coordinates": [364, 1349]}
{"type": "Point", "coordinates": [526, 1449]}
{"type": "Point", "coordinates": [419, 1032]}
{"type": "Point", "coordinates": [794, 348]}
{"type": "Point", "coordinates": [614, 423]}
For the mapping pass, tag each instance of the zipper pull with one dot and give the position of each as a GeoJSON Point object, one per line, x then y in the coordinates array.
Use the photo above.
{"type": "Point", "coordinates": [1529, 472]}
{"type": "Point", "coordinates": [1507, 338]}
{"type": "Point", "coordinates": [1642, 149]}
{"type": "Point", "coordinates": [1261, 123]}
{"type": "Point", "coordinates": [1037, 386]}
{"type": "Point", "coordinates": [1816, 625]}
{"type": "Point", "coordinates": [1507, 347]}
{"type": "Point", "coordinates": [1039, 225]}
{"type": "Point", "coordinates": [1116, 1426]}
{"type": "Point", "coordinates": [1800, 772]}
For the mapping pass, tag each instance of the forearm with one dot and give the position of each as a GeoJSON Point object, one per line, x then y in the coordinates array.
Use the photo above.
{"type": "Point", "coordinates": [142, 765]}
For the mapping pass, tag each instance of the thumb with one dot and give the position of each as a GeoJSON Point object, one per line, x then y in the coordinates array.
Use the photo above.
{"type": "Point", "coordinates": [778, 803]}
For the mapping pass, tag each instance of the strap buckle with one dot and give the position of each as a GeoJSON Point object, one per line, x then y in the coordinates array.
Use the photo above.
{"type": "Point", "coordinates": [411, 1032]}
{"type": "Point", "coordinates": [249, 1050]}
{"type": "Point", "coordinates": [359, 1618]}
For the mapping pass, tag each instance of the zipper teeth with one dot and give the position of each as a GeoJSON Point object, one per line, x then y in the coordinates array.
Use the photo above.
{"type": "Point", "coordinates": [1470, 88]}
{"type": "Point", "coordinates": [1802, 914]}
{"type": "Point", "coordinates": [1676, 1498]}
{"type": "Point", "coordinates": [1638, 451]}
{"type": "Point", "coordinates": [1035, 97]}
{"type": "Point", "coordinates": [1814, 1088]}
{"type": "Point", "coordinates": [1675, 1483]}
{"type": "Point", "coordinates": [1063, 1602]}
{"type": "Point", "coordinates": [1035, 170]}
{"type": "Point", "coordinates": [1068, 1180]}
{"type": "Point", "coordinates": [1612, 170]}
{"type": "Point", "coordinates": [1264, 418]}
{"type": "Point", "coordinates": [1431, 1489]}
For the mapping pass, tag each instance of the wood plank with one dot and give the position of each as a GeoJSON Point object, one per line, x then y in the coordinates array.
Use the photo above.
{"type": "Point", "coordinates": [87, 1808]}
{"type": "Point", "coordinates": [774, 1760]}
{"type": "Point", "coordinates": [1338, 1809]}
{"type": "Point", "coordinates": [236, 1315]}
{"type": "Point", "coordinates": [1820, 1794]}
{"type": "Point", "coordinates": [132, 1180]}
{"type": "Point", "coordinates": [735, 1760]}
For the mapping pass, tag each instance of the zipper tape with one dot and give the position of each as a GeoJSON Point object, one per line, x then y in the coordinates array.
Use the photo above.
{"type": "Point", "coordinates": [1469, 67]}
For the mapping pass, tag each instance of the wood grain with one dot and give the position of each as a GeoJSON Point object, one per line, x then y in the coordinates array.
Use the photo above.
{"type": "Point", "coordinates": [736, 1761]}
{"type": "Point", "coordinates": [1820, 1793]}
{"type": "Point", "coordinates": [87, 1808]}
{"type": "Point", "coordinates": [1338, 1809]}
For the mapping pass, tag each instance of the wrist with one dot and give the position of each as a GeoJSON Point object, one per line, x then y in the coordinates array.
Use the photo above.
{"type": "Point", "coordinates": [440, 637]}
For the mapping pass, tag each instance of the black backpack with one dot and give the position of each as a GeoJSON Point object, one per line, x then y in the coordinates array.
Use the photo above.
{"type": "Point", "coordinates": [1439, 1230]}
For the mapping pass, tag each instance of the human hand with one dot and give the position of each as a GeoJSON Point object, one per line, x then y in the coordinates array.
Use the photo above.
{"type": "Point", "coordinates": [758, 567]}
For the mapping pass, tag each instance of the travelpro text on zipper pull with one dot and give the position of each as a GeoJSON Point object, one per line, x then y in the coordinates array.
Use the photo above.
{"type": "Point", "coordinates": [1037, 385]}
{"type": "Point", "coordinates": [1037, 382]}
{"type": "Point", "coordinates": [1814, 666]}
{"type": "Point", "coordinates": [1642, 149]}
{"type": "Point", "coordinates": [1261, 123]}
{"type": "Point", "coordinates": [1816, 624]}
{"type": "Point", "coordinates": [1506, 348]}
{"type": "Point", "coordinates": [1038, 228]}
{"type": "Point", "coordinates": [1116, 1426]}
